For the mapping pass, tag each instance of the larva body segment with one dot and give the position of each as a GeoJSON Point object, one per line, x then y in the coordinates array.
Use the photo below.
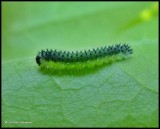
{"type": "Point", "coordinates": [70, 59]}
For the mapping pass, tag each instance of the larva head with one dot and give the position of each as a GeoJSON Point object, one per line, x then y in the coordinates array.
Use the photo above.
{"type": "Point", "coordinates": [38, 59]}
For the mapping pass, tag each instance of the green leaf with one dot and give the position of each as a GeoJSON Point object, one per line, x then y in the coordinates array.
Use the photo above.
{"type": "Point", "coordinates": [122, 94]}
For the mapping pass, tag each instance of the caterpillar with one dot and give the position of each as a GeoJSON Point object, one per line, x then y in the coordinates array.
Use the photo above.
{"type": "Point", "coordinates": [57, 59]}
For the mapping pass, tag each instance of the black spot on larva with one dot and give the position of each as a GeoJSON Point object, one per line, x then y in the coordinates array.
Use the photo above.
{"type": "Point", "coordinates": [66, 56]}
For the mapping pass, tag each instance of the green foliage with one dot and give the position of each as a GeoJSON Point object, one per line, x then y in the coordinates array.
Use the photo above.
{"type": "Point", "coordinates": [121, 94]}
